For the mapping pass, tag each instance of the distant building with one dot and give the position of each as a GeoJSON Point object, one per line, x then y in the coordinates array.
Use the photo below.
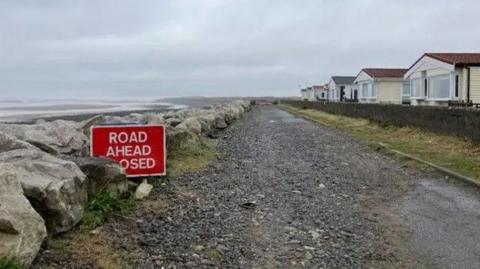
{"type": "Point", "coordinates": [383, 85]}
{"type": "Point", "coordinates": [314, 93]}
{"type": "Point", "coordinates": [440, 78]}
{"type": "Point", "coordinates": [341, 89]}
{"type": "Point", "coordinates": [304, 94]}
{"type": "Point", "coordinates": [310, 94]}
{"type": "Point", "coordinates": [320, 92]}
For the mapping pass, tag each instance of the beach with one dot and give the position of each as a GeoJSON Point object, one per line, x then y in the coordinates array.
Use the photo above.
{"type": "Point", "coordinates": [29, 111]}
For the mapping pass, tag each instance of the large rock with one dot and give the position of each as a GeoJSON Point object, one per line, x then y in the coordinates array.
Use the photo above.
{"type": "Point", "coordinates": [231, 112]}
{"type": "Point", "coordinates": [220, 122]}
{"type": "Point", "coordinates": [191, 124]}
{"type": "Point", "coordinates": [180, 114]}
{"type": "Point", "coordinates": [125, 120]}
{"type": "Point", "coordinates": [178, 138]}
{"type": "Point", "coordinates": [87, 124]}
{"type": "Point", "coordinates": [173, 122]}
{"type": "Point", "coordinates": [64, 137]}
{"type": "Point", "coordinates": [22, 230]}
{"type": "Point", "coordinates": [8, 142]}
{"type": "Point", "coordinates": [102, 173]}
{"type": "Point", "coordinates": [208, 120]}
{"type": "Point", "coordinates": [56, 188]}
{"type": "Point", "coordinates": [154, 118]}
{"type": "Point", "coordinates": [246, 105]}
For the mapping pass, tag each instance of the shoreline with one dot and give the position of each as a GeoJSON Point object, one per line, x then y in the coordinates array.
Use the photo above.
{"type": "Point", "coordinates": [29, 111]}
{"type": "Point", "coordinates": [71, 112]}
{"type": "Point", "coordinates": [85, 116]}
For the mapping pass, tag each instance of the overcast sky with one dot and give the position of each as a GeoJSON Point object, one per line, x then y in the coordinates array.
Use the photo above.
{"type": "Point", "coordinates": [63, 49]}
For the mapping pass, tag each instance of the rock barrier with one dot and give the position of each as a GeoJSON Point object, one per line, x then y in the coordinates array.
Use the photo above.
{"type": "Point", "coordinates": [46, 173]}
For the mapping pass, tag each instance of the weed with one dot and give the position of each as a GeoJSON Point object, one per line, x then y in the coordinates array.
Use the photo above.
{"type": "Point", "coordinates": [214, 254]}
{"type": "Point", "coordinates": [195, 156]}
{"type": "Point", "coordinates": [10, 263]}
{"type": "Point", "coordinates": [104, 205]}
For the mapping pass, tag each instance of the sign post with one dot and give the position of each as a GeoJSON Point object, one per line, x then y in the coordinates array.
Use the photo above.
{"type": "Point", "coordinates": [140, 149]}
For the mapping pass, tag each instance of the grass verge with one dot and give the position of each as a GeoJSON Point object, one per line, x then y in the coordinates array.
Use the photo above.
{"type": "Point", "coordinates": [456, 154]}
{"type": "Point", "coordinates": [10, 263]}
{"type": "Point", "coordinates": [194, 156]}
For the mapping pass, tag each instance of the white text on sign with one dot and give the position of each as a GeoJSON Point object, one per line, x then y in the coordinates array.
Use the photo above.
{"type": "Point", "coordinates": [121, 146]}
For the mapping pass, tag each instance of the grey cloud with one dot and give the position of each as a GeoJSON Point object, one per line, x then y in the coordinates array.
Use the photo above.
{"type": "Point", "coordinates": [213, 47]}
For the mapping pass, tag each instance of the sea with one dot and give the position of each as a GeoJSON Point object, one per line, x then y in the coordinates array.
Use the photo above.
{"type": "Point", "coordinates": [15, 110]}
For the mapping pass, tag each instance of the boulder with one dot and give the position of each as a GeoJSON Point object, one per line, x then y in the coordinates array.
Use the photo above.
{"type": "Point", "coordinates": [246, 105]}
{"type": "Point", "coordinates": [207, 120]}
{"type": "Point", "coordinates": [8, 143]}
{"type": "Point", "coordinates": [173, 122]}
{"type": "Point", "coordinates": [65, 137]}
{"type": "Point", "coordinates": [191, 124]}
{"type": "Point", "coordinates": [154, 118]}
{"type": "Point", "coordinates": [178, 138]}
{"type": "Point", "coordinates": [22, 229]}
{"type": "Point", "coordinates": [56, 188]}
{"type": "Point", "coordinates": [220, 122]}
{"type": "Point", "coordinates": [102, 173]}
{"type": "Point", "coordinates": [136, 118]}
{"type": "Point", "coordinates": [229, 117]}
{"type": "Point", "coordinates": [87, 124]}
{"type": "Point", "coordinates": [180, 114]}
{"type": "Point", "coordinates": [125, 120]}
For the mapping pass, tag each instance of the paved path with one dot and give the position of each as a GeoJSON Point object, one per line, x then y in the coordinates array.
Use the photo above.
{"type": "Point", "coordinates": [288, 193]}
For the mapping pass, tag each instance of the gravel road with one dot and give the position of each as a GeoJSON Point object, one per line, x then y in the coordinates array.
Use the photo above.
{"type": "Point", "coordinates": [289, 193]}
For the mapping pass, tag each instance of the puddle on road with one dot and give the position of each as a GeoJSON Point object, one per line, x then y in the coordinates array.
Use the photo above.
{"type": "Point", "coordinates": [276, 115]}
{"type": "Point", "coordinates": [444, 219]}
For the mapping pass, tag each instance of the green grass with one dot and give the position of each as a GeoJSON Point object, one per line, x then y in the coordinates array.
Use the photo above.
{"type": "Point", "coordinates": [196, 155]}
{"type": "Point", "coordinates": [10, 263]}
{"type": "Point", "coordinates": [454, 153]}
{"type": "Point", "coordinates": [214, 254]}
{"type": "Point", "coordinates": [102, 206]}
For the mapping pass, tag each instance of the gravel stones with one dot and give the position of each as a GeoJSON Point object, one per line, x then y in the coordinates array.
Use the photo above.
{"type": "Point", "coordinates": [312, 227]}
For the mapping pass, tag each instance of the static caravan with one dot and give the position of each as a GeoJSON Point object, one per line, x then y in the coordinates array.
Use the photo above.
{"type": "Point", "coordinates": [341, 89]}
{"type": "Point", "coordinates": [443, 78]}
{"type": "Point", "coordinates": [304, 94]}
{"type": "Point", "coordinates": [383, 85]}
{"type": "Point", "coordinates": [321, 92]}
{"type": "Point", "coordinates": [314, 93]}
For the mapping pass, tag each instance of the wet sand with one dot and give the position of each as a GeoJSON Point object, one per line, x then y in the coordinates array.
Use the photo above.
{"type": "Point", "coordinates": [30, 113]}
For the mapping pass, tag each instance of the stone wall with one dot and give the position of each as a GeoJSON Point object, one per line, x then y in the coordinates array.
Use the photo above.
{"type": "Point", "coordinates": [451, 121]}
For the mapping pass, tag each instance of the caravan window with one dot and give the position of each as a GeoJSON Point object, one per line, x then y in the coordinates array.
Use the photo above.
{"type": "Point", "coordinates": [406, 91]}
{"type": "Point", "coordinates": [417, 88]}
{"type": "Point", "coordinates": [368, 91]}
{"type": "Point", "coordinates": [439, 87]}
{"type": "Point", "coordinates": [365, 90]}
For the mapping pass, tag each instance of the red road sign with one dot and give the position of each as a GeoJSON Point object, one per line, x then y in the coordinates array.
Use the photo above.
{"type": "Point", "coordinates": [140, 149]}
